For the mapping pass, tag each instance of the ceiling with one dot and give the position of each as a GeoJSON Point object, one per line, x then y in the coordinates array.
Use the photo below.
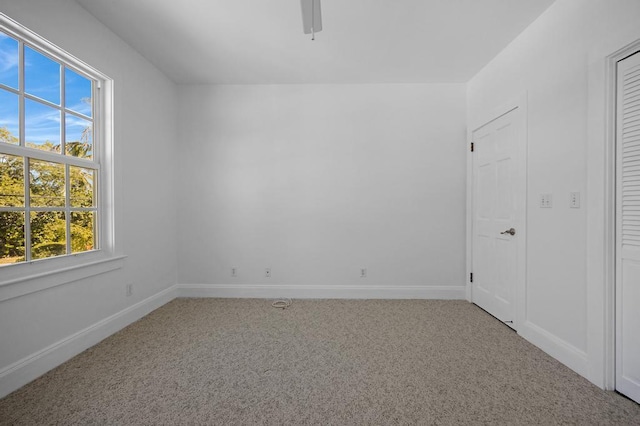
{"type": "Point", "coordinates": [363, 41]}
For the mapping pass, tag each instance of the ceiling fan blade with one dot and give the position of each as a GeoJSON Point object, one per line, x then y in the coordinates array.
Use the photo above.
{"type": "Point", "coordinates": [311, 16]}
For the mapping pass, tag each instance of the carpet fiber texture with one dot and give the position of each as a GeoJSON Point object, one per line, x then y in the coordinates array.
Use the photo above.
{"type": "Point", "coordinates": [328, 362]}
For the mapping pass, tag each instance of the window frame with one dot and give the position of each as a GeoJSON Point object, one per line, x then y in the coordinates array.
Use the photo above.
{"type": "Point", "coordinates": [102, 162]}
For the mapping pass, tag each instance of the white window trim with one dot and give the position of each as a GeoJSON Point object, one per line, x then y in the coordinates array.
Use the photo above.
{"type": "Point", "coordinates": [50, 272]}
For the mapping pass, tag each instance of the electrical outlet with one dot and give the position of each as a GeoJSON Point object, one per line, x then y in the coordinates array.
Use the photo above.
{"type": "Point", "coordinates": [234, 272]}
{"type": "Point", "coordinates": [363, 273]}
{"type": "Point", "coordinates": [546, 201]}
{"type": "Point", "coordinates": [267, 272]}
{"type": "Point", "coordinates": [129, 290]}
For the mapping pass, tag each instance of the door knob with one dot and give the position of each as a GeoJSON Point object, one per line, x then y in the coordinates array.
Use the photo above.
{"type": "Point", "coordinates": [509, 231]}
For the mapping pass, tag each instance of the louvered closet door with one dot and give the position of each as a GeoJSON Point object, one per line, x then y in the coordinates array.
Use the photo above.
{"type": "Point", "coordinates": [628, 229]}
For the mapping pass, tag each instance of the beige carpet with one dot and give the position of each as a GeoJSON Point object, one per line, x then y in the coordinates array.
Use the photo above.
{"type": "Point", "coordinates": [329, 362]}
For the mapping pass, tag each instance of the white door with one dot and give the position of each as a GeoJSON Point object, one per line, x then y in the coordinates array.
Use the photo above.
{"type": "Point", "coordinates": [499, 187]}
{"type": "Point", "coordinates": [628, 229]}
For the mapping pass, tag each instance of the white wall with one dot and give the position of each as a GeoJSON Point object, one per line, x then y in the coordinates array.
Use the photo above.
{"type": "Point", "coordinates": [318, 181]}
{"type": "Point", "coordinates": [549, 61]}
{"type": "Point", "coordinates": [145, 163]}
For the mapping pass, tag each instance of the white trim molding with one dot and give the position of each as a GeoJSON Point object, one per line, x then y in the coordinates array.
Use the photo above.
{"type": "Point", "coordinates": [27, 284]}
{"type": "Point", "coordinates": [567, 354]}
{"type": "Point", "coordinates": [321, 291]}
{"type": "Point", "coordinates": [35, 365]}
{"type": "Point", "coordinates": [601, 204]}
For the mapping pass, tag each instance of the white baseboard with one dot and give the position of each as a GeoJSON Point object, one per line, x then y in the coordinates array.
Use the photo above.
{"type": "Point", "coordinates": [33, 366]}
{"type": "Point", "coordinates": [564, 352]}
{"type": "Point", "coordinates": [320, 292]}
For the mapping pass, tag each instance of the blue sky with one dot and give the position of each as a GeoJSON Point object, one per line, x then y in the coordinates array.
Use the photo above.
{"type": "Point", "coordinates": [8, 61]}
{"type": "Point", "coordinates": [42, 79]}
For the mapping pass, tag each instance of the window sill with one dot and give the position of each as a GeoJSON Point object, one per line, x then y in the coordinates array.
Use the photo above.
{"type": "Point", "coordinates": [77, 269]}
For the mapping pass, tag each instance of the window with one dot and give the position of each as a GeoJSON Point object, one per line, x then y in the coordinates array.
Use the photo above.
{"type": "Point", "coordinates": [52, 151]}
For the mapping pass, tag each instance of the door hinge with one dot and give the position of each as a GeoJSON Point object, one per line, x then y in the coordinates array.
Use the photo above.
{"type": "Point", "coordinates": [471, 277]}
{"type": "Point", "coordinates": [472, 146]}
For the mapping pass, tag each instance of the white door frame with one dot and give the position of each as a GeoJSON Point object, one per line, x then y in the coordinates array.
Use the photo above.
{"type": "Point", "coordinates": [476, 123]}
{"type": "Point", "coordinates": [601, 207]}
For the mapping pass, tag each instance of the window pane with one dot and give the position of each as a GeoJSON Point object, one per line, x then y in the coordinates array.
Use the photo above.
{"type": "Point", "coordinates": [48, 234]}
{"type": "Point", "coordinates": [9, 61]}
{"type": "Point", "coordinates": [41, 126]}
{"type": "Point", "coordinates": [11, 181]}
{"type": "Point", "coordinates": [82, 188]}
{"type": "Point", "coordinates": [46, 184]}
{"type": "Point", "coordinates": [41, 76]}
{"type": "Point", "coordinates": [11, 237]}
{"type": "Point", "coordinates": [77, 92]}
{"type": "Point", "coordinates": [79, 136]}
{"type": "Point", "coordinates": [82, 231]}
{"type": "Point", "coordinates": [9, 118]}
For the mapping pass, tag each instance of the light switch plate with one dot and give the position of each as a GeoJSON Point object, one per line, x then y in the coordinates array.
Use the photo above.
{"type": "Point", "coordinates": [574, 200]}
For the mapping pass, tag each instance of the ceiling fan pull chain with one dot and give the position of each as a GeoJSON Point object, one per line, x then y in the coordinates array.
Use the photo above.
{"type": "Point", "coordinates": [313, 31]}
